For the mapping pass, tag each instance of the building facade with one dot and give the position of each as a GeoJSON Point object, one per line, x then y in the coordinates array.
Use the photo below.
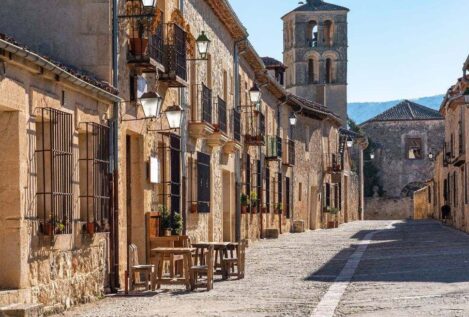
{"type": "Point", "coordinates": [225, 147]}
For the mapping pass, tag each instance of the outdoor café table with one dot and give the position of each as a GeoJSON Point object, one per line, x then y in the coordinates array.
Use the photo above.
{"type": "Point", "coordinates": [161, 253]}
{"type": "Point", "coordinates": [221, 250]}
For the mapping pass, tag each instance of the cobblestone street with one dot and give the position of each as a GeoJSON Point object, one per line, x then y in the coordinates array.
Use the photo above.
{"type": "Point", "coordinates": [409, 269]}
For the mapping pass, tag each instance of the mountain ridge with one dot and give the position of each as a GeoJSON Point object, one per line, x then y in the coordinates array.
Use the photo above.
{"type": "Point", "coordinates": [363, 111]}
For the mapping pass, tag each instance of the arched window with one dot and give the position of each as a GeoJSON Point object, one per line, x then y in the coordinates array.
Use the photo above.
{"type": "Point", "coordinates": [311, 71]}
{"type": "Point", "coordinates": [328, 33]}
{"type": "Point", "coordinates": [312, 34]}
{"type": "Point", "coordinates": [329, 77]}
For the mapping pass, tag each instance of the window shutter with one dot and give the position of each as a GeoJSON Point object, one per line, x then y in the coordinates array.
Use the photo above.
{"type": "Point", "coordinates": [203, 182]}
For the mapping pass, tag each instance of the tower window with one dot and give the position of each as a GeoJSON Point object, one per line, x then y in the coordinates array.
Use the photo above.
{"type": "Point", "coordinates": [312, 34]}
{"type": "Point", "coordinates": [329, 78]}
{"type": "Point", "coordinates": [328, 33]}
{"type": "Point", "coordinates": [311, 71]}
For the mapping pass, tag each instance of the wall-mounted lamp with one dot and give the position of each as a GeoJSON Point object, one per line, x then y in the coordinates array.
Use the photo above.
{"type": "Point", "coordinates": [372, 155]}
{"type": "Point", "coordinates": [293, 119]}
{"type": "Point", "coordinates": [174, 115]}
{"type": "Point", "coordinates": [349, 142]}
{"type": "Point", "coordinates": [255, 94]}
{"type": "Point", "coordinates": [203, 45]}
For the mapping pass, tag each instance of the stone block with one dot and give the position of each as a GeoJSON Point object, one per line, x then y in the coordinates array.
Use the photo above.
{"type": "Point", "coordinates": [298, 226]}
{"type": "Point", "coordinates": [272, 233]}
{"type": "Point", "coordinates": [22, 310]}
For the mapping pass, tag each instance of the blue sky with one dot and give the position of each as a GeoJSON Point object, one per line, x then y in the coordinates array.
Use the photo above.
{"type": "Point", "coordinates": [397, 48]}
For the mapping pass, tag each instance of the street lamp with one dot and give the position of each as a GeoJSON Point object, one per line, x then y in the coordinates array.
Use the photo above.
{"type": "Point", "coordinates": [349, 142]}
{"type": "Point", "coordinates": [174, 115]}
{"type": "Point", "coordinates": [151, 104]}
{"type": "Point", "coordinates": [203, 44]}
{"type": "Point", "coordinates": [255, 94]}
{"type": "Point", "coordinates": [149, 4]}
{"type": "Point", "coordinates": [293, 119]}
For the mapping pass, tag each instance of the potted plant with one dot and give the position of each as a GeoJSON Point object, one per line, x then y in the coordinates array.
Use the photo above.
{"type": "Point", "coordinates": [244, 203]}
{"type": "Point", "coordinates": [326, 209]}
{"type": "Point", "coordinates": [279, 208]}
{"type": "Point", "coordinates": [90, 227]}
{"type": "Point", "coordinates": [193, 208]}
{"type": "Point", "coordinates": [177, 223]}
{"type": "Point", "coordinates": [165, 220]}
{"type": "Point", "coordinates": [59, 227]}
{"type": "Point", "coordinates": [47, 228]}
{"type": "Point", "coordinates": [264, 208]}
{"type": "Point", "coordinates": [254, 202]}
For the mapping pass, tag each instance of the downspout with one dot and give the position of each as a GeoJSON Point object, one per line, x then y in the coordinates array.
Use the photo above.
{"type": "Point", "coordinates": [114, 234]}
{"type": "Point", "coordinates": [183, 135]}
{"type": "Point", "coordinates": [237, 105]}
{"type": "Point", "coordinates": [279, 163]}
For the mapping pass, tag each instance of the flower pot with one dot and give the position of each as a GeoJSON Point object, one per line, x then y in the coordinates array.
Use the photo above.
{"type": "Point", "coordinates": [138, 46]}
{"type": "Point", "coordinates": [264, 210]}
{"type": "Point", "coordinates": [254, 209]}
{"type": "Point", "coordinates": [193, 208]}
{"type": "Point", "coordinates": [47, 229]}
{"type": "Point", "coordinates": [167, 232]}
{"type": "Point", "coordinates": [244, 209]}
{"type": "Point", "coordinates": [90, 228]}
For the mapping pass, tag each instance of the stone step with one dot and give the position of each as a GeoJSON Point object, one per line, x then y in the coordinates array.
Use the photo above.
{"type": "Point", "coordinates": [22, 310]}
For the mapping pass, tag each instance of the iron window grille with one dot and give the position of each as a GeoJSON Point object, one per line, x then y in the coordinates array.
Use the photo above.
{"type": "Point", "coordinates": [279, 191]}
{"type": "Point", "coordinates": [289, 155]}
{"type": "Point", "coordinates": [170, 193]}
{"type": "Point", "coordinates": [259, 183]}
{"type": "Point", "coordinates": [95, 177]}
{"type": "Point", "coordinates": [267, 189]}
{"type": "Point", "coordinates": [248, 174]}
{"type": "Point", "coordinates": [203, 182]}
{"type": "Point", "coordinates": [237, 125]}
{"type": "Point", "coordinates": [156, 47]}
{"type": "Point", "coordinates": [176, 51]}
{"type": "Point", "coordinates": [221, 120]}
{"type": "Point", "coordinates": [54, 140]}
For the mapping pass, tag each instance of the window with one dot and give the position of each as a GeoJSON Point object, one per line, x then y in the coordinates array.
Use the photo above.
{"type": "Point", "coordinates": [328, 33]}
{"type": "Point", "coordinates": [312, 34]}
{"type": "Point", "coordinates": [455, 190]}
{"type": "Point", "coordinates": [429, 192]}
{"type": "Point", "coordinates": [329, 78]}
{"type": "Point", "coordinates": [414, 149]}
{"type": "Point", "coordinates": [300, 190]}
{"type": "Point", "coordinates": [203, 182]}
{"type": "Point", "coordinates": [259, 183]}
{"type": "Point", "coordinates": [95, 177]}
{"type": "Point", "coordinates": [279, 189]}
{"type": "Point", "coordinates": [466, 194]}
{"type": "Point", "coordinates": [248, 174]}
{"type": "Point", "coordinates": [54, 171]}
{"type": "Point", "coordinates": [311, 71]}
{"type": "Point", "coordinates": [327, 195]}
{"type": "Point", "coordinates": [267, 188]}
{"type": "Point", "coordinates": [175, 187]}
{"type": "Point", "coordinates": [307, 138]}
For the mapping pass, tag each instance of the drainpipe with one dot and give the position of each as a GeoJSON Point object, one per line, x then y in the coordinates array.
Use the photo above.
{"type": "Point", "coordinates": [114, 234]}
{"type": "Point", "coordinates": [279, 163]}
{"type": "Point", "coordinates": [183, 136]}
{"type": "Point", "coordinates": [237, 105]}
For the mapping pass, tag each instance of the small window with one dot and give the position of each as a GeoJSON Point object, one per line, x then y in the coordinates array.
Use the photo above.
{"type": "Point", "coordinates": [300, 190]}
{"type": "Point", "coordinates": [203, 182]}
{"type": "Point", "coordinates": [329, 76]}
{"type": "Point", "coordinates": [311, 71]}
{"type": "Point", "coordinates": [414, 149]}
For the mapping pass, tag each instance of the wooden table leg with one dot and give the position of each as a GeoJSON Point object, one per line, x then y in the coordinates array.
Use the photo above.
{"type": "Point", "coordinates": [160, 270]}
{"type": "Point", "coordinates": [187, 270]}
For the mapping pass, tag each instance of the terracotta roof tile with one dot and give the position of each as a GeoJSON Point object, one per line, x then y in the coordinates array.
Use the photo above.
{"type": "Point", "coordinates": [407, 110]}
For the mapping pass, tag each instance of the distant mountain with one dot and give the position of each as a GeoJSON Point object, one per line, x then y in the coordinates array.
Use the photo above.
{"type": "Point", "coordinates": [362, 111]}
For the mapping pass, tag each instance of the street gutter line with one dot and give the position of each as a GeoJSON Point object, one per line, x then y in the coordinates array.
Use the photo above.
{"type": "Point", "coordinates": [331, 299]}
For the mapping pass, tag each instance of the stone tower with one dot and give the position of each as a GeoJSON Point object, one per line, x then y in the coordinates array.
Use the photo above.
{"type": "Point", "coordinates": [315, 54]}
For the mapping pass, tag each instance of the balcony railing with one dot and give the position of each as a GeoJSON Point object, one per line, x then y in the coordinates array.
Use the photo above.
{"type": "Point", "coordinates": [289, 157]}
{"type": "Point", "coordinates": [274, 148]}
{"type": "Point", "coordinates": [256, 131]}
{"type": "Point", "coordinates": [237, 125]}
{"type": "Point", "coordinates": [176, 51]}
{"type": "Point", "coordinates": [221, 121]}
{"type": "Point", "coordinates": [206, 104]}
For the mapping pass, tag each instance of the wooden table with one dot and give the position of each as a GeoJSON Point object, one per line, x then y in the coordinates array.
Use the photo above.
{"type": "Point", "coordinates": [161, 253]}
{"type": "Point", "coordinates": [221, 250]}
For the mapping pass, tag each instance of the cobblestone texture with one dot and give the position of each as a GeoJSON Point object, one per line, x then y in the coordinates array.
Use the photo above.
{"type": "Point", "coordinates": [414, 269]}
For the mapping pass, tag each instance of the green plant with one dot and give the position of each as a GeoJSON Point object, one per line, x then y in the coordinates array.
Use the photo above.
{"type": "Point", "coordinates": [326, 209]}
{"type": "Point", "coordinates": [334, 211]}
{"type": "Point", "coordinates": [244, 200]}
{"type": "Point", "coordinates": [170, 222]}
{"type": "Point", "coordinates": [253, 198]}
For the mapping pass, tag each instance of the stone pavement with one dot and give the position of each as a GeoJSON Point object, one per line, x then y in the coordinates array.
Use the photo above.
{"type": "Point", "coordinates": [411, 269]}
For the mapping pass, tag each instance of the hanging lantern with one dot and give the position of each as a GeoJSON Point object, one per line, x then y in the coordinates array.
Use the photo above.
{"type": "Point", "coordinates": [255, 94]}
{"type": "Point", "coordinates": [349, 142]}
{"type": "Point", "coordinates": [151, 104]}
{"type": "Point", "coordinates": [293, 119]}
{"type": "Point", "coordinates": [149, 4]}
{"type": "Point", "coordinates": [174, 115]}
{"type": "Point", "coordinates": [203, 44]}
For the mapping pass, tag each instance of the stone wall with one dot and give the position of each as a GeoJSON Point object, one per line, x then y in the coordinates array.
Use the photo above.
{"type": "Point", "coordinates": [422, 205]}
{"type": "Point", "coordinates": [395, 171]}
{"type": "Point", "coordinates": [388, 208]}
{"type": "Point", "coordinates": [69, 268]}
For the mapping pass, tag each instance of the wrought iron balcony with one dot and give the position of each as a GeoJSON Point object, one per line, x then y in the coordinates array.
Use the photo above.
{"type": "Point", "coordinates": [256, 130]}
{"type": "Point", "coordinates": [237, 125]}
{"type": "Point", "coordinates": [221, 121]}
{"type": "Point", "coordinates": [201, 123]}
{"type": "Point", "coordinates": [274, 148]}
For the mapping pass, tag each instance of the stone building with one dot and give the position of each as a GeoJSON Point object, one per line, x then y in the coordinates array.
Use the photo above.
{"type": "Point", "coordinates": [55, 128]}
{"type": "Point", "coordinates": [404, 141]}
{"type": "Point", "coordinates": [315, 54]}
{"type": "Point", "coordinates": [449, 186]}
{"type": "Point", "coordinates": [225, 145]}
